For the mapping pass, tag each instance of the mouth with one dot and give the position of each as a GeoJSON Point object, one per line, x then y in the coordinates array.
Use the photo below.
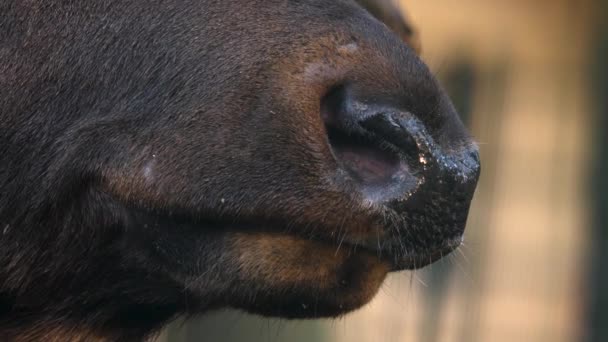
{"type": "Point", "coordinates": [397, 255]}
{"type": "Point", "coordinates": [272, 270]}
{"type": "Point", "coordinates": [326, 278]}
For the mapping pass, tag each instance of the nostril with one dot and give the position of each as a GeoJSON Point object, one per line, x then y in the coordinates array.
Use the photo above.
{"type": "Point", "coordinates": [331, 106]}
{"type": "Point", "coordinates": [367, 157]}
{"type": "Point", "coordinates": [392, 154]}
{"type": "Point", "coordinates": [384, 125]}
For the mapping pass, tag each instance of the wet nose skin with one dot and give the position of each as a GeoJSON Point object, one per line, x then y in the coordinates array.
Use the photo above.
{"type": "Point", "coordinates": [392, 153]}
{"type": "Point", "coordinates": [439, 171]}
{"type": "Point", "coordinates": [435, 211]}
{"type": "Point", "coordinates": [399, 164]}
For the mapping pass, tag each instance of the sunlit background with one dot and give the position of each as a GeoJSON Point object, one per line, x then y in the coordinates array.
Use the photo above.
{"type": "Point", "coordinates": [530, 79]}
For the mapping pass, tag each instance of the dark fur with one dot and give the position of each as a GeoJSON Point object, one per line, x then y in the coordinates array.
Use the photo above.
{"type": "Point", "coordinates": [388, 12]}
{"type": "Point", "coordinates": [153, 153]}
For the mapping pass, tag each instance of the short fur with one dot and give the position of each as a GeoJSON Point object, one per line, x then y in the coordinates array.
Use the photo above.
{"type": "Point", "coordinates": [163, 158]}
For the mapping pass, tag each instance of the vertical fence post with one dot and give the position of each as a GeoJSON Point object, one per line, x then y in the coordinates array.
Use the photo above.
{"type": "Point", "coordinates": [598, 277]}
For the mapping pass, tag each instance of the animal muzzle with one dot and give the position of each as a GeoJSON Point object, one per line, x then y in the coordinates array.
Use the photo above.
{"type": "Point", "coordinates": [420, 189]}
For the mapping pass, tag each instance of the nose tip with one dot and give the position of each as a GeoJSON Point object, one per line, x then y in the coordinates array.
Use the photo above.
{"type": "Point", "coordinates": [435, 210]}
{"type": "Point", "coordinates": [452, 169]}
{"type": "Point", "coordinates": [422, 176]}
{"type": "Point", "coordinates": [393, 155]}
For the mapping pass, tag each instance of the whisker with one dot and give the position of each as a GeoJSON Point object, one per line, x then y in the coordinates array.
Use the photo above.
{"type": "Point", "coordinates": [464, 271]}
{"type": "Point", "coordinates": [464, 257]}
{"type": "Point", "coordinates": [420, 281]}
{"type": "Point", "coordinates": [342, 237]}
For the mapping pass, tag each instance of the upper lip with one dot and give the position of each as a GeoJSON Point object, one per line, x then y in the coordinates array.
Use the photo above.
{"type": "Point", "coordinates": [391, 251]}
{"type": "Point", "coordinates": [418, 260]}
{"type": "Point", "coordinates": [404, 259]}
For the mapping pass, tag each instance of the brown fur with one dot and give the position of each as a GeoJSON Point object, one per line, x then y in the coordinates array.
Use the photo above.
{"type": "Point", "coordinates": [167, 158]}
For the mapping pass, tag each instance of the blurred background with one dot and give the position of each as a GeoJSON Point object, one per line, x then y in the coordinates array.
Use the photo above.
{"type": "Point", "coordinates": [530, 79]}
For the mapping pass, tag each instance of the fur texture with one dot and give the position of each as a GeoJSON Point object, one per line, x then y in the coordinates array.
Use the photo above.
{"type": "Point", "coordinates": [163, 158]}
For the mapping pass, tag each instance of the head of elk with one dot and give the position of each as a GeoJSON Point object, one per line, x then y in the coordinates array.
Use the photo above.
{"type": "Point", "coordinates": [161, 158]}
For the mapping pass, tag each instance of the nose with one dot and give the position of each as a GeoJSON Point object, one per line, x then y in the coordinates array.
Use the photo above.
{"type": "Point", "coordinates": [394, 157]}
{"type": "Point", "coordinates": [451, 171]}
{"type": "Point", "coordinates": [424, 174]}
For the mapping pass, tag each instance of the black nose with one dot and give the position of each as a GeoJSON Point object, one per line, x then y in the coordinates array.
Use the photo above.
{"type": "Point", "coordinates": [421, 176]}
{"type": "Point", "coordinates": [452, 171]}
{"type": "Point", "coordinates": [395, 158]}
